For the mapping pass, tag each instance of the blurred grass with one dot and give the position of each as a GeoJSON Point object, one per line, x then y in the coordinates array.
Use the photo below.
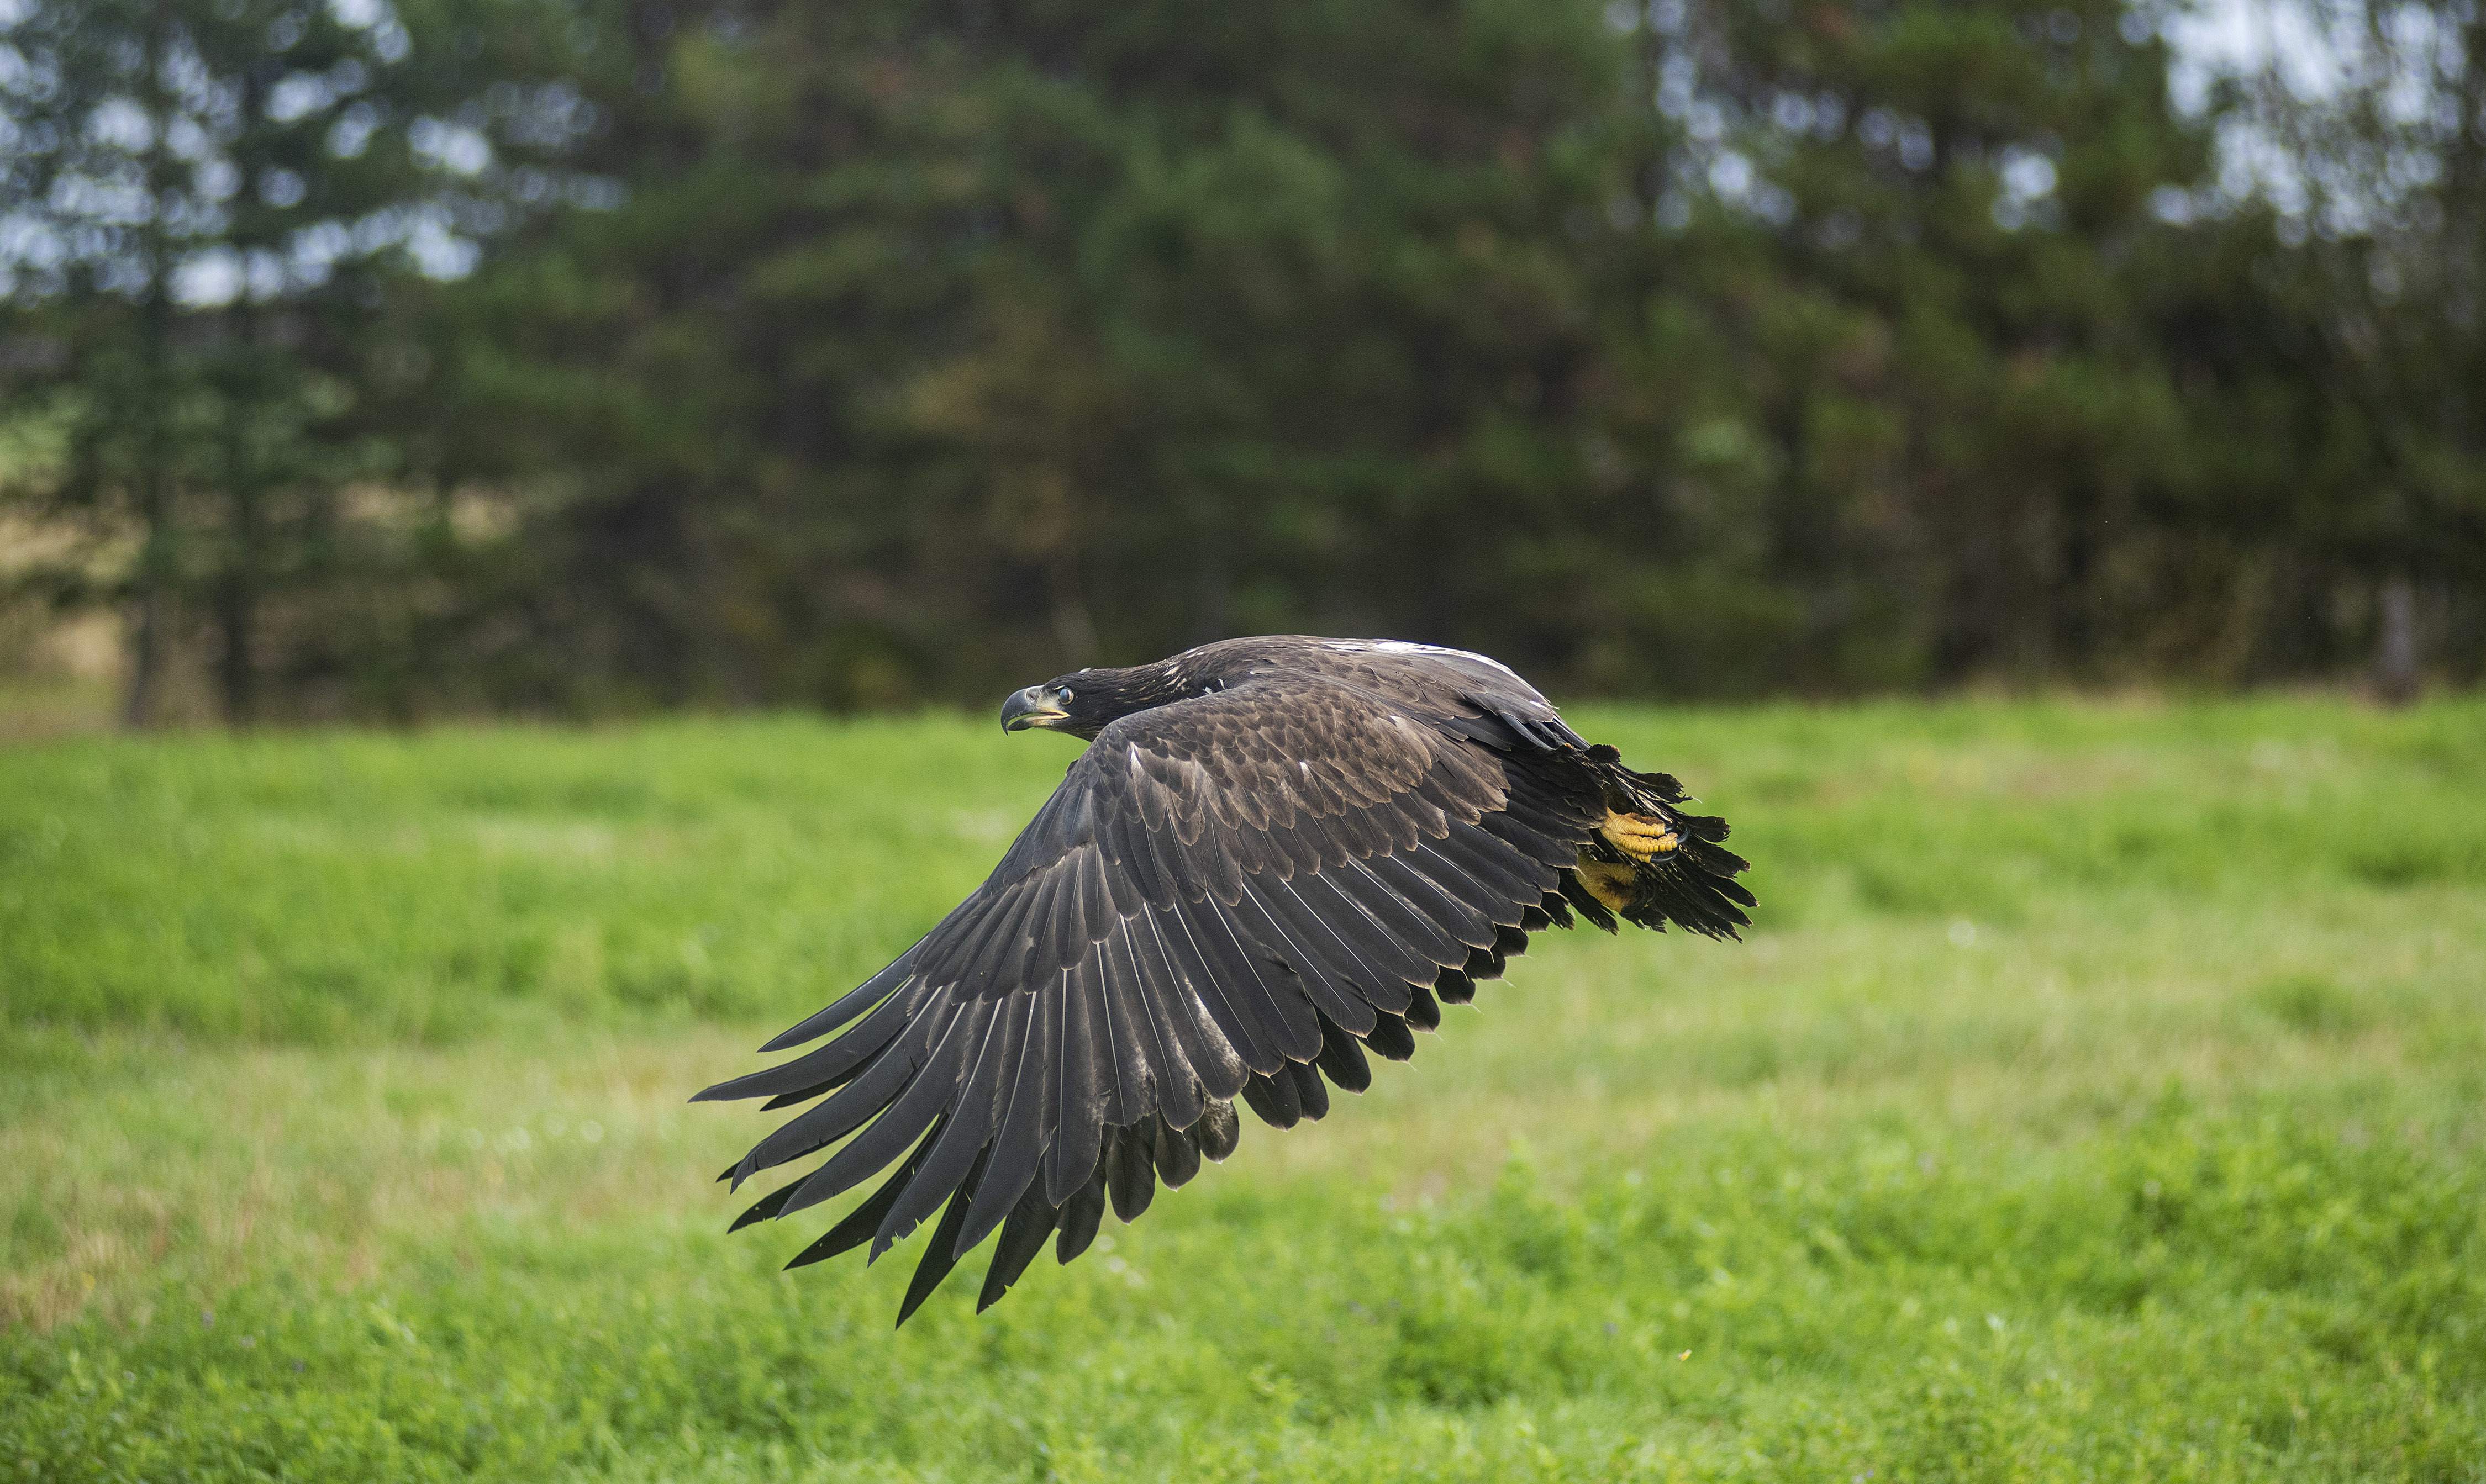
{"type": "Point", "coordinates": [2099, 1098]}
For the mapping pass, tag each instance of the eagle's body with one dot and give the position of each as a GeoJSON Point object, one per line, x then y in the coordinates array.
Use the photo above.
{"type": "Point", "coordinates": [1274, 853]}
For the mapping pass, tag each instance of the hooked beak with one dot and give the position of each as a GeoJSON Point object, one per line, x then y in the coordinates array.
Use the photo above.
{"type": "Point", "coordinates": [1033, 706]}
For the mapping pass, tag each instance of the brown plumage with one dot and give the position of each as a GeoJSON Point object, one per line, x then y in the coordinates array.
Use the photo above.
{"type": "Point", "coordinates": [1274, 855]}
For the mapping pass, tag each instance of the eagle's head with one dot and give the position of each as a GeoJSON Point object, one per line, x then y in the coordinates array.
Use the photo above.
{"type": "Point", "coordinates": [1086, 701]}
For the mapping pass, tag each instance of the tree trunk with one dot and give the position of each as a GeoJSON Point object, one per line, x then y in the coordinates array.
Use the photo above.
{"type": "Point", "coordinates": [236, 668]}
{"type": "Point", "coordinates": [146, 659]}
{"type": "Point", "coordinates": [2397, 676]}
{"type": "Point", "coordinates": [237, 589]}
{"type": "Point", "coordinates": [138, 710]}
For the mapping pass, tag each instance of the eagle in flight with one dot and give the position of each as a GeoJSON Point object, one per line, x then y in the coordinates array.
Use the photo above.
{"type": "Point", "coordinates": [1274, 856]}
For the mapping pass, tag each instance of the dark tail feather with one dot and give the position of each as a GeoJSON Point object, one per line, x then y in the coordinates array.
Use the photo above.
{"type": "Point", "coordinates": [1693, 886]}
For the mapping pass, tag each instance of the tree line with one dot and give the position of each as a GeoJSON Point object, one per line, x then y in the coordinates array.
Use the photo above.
{"type": "Point", "coordinates": [394, 358]}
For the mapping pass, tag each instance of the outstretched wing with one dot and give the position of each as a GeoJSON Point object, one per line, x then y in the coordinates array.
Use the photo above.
{"type": "Point", "coordinates": [1223, 894]}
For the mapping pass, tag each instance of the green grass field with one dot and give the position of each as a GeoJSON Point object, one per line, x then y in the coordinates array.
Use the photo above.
{"type": "Point", "coordinates": [2100, 1096]}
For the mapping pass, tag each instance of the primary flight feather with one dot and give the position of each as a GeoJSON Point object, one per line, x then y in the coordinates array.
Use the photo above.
{"type": "Point", "coordinates": [1274, 855]}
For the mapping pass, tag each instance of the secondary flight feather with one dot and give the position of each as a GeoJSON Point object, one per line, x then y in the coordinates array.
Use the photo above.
{"type": "Point", "coordinates": [1274, 857]}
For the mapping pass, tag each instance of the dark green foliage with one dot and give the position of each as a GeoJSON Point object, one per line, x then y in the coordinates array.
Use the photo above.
{"type": "Point", "coordinates": [906, 350]}
{"type": "Point", "coordinates": [215, 215]}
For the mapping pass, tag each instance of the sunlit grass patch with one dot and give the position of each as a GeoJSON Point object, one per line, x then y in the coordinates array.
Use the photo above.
{"type": "Point", "coordinates": [2245, 1287]}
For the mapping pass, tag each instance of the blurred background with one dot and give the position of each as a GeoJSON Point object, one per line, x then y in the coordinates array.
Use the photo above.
{"type": "Point", "coordinates": [398, 358]}
{"type": "Point", "coordinates": [2100, 1092]}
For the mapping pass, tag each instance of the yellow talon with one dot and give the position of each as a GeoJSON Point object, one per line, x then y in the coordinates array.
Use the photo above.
{"type": "Point", "coordinates": [1638, 836]}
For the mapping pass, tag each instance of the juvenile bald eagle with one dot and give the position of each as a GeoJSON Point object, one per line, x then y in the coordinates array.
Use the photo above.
{"type": "Point", "coordinates": [1274, 855]}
